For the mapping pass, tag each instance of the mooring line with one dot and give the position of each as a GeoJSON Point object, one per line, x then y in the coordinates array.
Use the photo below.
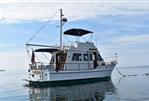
{"type": "Point", "coordinates": [120, 72]}
{"type": "Point", "coordinates": [125, 75]}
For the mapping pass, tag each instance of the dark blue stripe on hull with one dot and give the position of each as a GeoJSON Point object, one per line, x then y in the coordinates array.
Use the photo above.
{"type": "Point", "coordinates": [66, 82]}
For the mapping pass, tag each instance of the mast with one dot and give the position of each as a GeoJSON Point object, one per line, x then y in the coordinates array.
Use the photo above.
{"type": "Point", "coordinates": [62, 21]}
{"type": "Point", "coordinates": [61, 14]}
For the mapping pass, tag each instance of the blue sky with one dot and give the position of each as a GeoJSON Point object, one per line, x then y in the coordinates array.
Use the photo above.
{"type": "Point", "coordinates": [120, 27]}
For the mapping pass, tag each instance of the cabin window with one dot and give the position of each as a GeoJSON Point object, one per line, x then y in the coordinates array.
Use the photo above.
{"type": "Point", "coordinates": [85, 57]}
{"type": "Point", "coordinates": [99, 58]}
{"type": "Point", "coordinates": [52, 59]}
{"type": "Point", "coordinates": [77, 57]}
{"type": "Point", "coordinates": [91, 57]}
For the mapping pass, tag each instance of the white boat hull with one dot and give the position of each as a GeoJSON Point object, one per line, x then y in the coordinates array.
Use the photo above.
{"type": "Point", "coordinates": [54, 78]}
{"type": "Point", "coordinates": [81, 74]}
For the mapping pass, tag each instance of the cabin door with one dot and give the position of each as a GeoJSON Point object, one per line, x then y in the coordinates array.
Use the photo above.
{"type": "Point", "coordinates": [60, 60]}
{"type": "Point", "coordinates": [95, 59]}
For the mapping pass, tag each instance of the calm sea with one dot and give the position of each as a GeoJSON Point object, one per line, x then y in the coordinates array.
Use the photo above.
{"type": "Point", "coordinates": [133, 87]}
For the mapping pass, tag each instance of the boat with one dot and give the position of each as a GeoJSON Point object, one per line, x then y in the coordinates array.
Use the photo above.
{"type": "Point", "coordinates": [98, 91]}
{"type": "Point", "coordinates": [70, 63]}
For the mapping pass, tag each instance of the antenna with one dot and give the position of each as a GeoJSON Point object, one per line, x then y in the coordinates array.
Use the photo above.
{"type": "Point", "coordinates": [62, 21]}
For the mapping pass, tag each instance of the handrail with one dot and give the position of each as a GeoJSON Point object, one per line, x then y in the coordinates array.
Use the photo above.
{"type": "Point", "coordinates": [52, 66]}
{"type": "Point", "coordinates": [67, 66]}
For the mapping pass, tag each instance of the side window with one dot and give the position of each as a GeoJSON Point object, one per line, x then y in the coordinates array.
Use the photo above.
{"type": "Point", "coordinates": [80, 57]}
{"type": "Point", "coordinates": [52, 59]}
{"type": "Point", "coordinates": [85, 57]}
{"type": "Point", "coordinates": [77, 57]}
{"type": "Point", "coordinates": [99, 58]}
{"type": "Point", "coordinates": [91, 57]}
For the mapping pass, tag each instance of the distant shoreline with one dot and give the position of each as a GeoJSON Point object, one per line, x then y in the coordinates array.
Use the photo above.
{"type": "Point", "coordinates": [1, 70]}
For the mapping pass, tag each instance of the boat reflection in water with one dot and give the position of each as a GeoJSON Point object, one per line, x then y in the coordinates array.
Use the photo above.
{"type": "Point", "coordinates": [83, 92]}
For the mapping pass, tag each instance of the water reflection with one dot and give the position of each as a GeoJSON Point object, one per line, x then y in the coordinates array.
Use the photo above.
{"type": "Point", "coordinates": [84, 92]}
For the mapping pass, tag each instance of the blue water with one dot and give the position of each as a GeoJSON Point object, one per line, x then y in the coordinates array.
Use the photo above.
{"type": "Point", "coordinates": [133, 87]}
